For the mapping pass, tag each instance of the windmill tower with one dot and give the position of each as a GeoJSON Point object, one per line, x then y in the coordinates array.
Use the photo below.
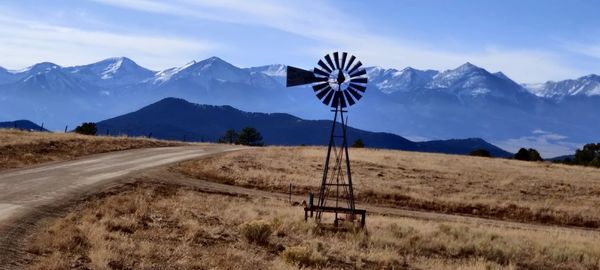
{"type": "Point", "coordinates": [338, 83]}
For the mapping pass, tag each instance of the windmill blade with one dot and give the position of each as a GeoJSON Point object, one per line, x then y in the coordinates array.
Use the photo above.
{"type": "Point", "coordinates": [324, 92]}
{"type": "Point", "coordinates": [359, 64]}
{"type": "Point", "coordinates": [336, 57]}
{"type": "Point", "coordinates": [320, 86]}
{"type": "Point", "coordinates": [320, 72]}
{"type": "Point", "coordinates": [325, 67]}
{"type": "Point", "coordinates": [344, 55]}
{"type": "Point", "coordinates": [358, 87]}
{"type": "Point", "coordinates": [297, 76]}
{"type": "Point", "coordinates": [328, 59]}
{"type": "Point", "coordinates": [358, 73]}
{"type": "Point", "coordinates": [350, 62]}
{"type": "Point", "coordinates": [349, 98]}
{"type": "Point", "coordinates": [327, 99]}
{"type": "Point", "coordinates": [359, 80]}
{"type": "Point", "coordinates": [354, 93]}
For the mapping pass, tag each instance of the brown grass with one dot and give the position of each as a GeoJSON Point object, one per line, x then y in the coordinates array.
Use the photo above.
{"type": "Point", "coordinates": [23, 148]}
{"type": "Point", "coordinates": [158, 226]}
{"type": "Point", "coordinates": [496, 188]}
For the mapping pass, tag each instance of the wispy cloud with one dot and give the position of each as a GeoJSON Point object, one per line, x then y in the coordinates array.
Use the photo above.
{"type": "Point", "coordinates": [34, 41]}
{"type": "Point", "coordinates": [333, 30]}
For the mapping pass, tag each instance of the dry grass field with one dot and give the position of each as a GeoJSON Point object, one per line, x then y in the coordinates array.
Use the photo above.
{"type": "Point", "coordinates": [496, 188]}
{"type": "Point", "coordinates": [159, 226]}
{"type": "Point", "coordinates": [22, 148]}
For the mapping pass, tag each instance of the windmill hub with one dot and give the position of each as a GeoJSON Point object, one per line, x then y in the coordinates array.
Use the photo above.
{"type": "Point", "coordinates": [338, 82]}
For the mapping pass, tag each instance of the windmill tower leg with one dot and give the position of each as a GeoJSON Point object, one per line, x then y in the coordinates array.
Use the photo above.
{"type": "Point", "coordinates": [323, 188]}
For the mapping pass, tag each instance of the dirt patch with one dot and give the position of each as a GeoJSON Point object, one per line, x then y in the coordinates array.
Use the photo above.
{"type": "Point", "coordinates": [23, 148]}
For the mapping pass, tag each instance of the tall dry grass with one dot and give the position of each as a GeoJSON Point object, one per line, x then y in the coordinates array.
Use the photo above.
{"type": "Point", "coordinates": [158, 226]}
{"type": "Point", "coordinates": [498, 188]}
{"type": "Point", "coordinates": [23, 148]}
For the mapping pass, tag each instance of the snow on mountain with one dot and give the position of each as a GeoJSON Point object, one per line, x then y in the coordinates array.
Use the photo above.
{"type": "Point", "coordinates": [471, 80]}
{"type": "Point", "coordinates": [585, 86]}
{"type": "Point", "coordinates": [393, 80]}
{"type": "Point", "coordinates": [111, 72]}
{"type": "Point", "coordinates": [213, 68]}
{"type": "Point", "coordinates": [277, 70]}
{"type": "Point", "coordinates": [165, 75]}
{"type": "Point", "coordinates": [49, 78]}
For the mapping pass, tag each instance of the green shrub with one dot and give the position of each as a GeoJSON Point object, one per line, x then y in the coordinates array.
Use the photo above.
{"type": "Point", "coordinates": [358, 144]}
{"type": "Point", "coordinates": [257, 232]}
{"type": "Point", "coordinates": [250, 136]}
{"type": "Point", "coordinates": [86, 129]}
{"type": "Point", "coordinates": [528, 155]}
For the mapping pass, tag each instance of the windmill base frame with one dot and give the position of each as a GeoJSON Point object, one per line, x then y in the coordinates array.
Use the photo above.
{"type": "Point", "coordinates": [337, 179]}
{"type": "Point", "coordinates": [309, 211]}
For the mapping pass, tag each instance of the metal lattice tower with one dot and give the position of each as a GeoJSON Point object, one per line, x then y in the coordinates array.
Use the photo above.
{"type": "Point", "coordinates": [339, 84]}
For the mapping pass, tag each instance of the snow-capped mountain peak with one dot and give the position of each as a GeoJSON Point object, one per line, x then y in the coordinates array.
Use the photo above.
{"type": "Point", "coordinates": [39, 68]}
{"type": "Point", "coordinates": [584, 86]}
{"type": "Point", "coordinates": [393, 80]}
{"type": "Point", "coordinates": [165, 75]}
{"type": "Point", "coordinates": [276, 70]}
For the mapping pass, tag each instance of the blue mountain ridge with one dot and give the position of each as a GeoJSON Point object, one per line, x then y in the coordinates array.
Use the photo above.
{"type": "Point", "coordinates": [467, 101]}
{"type": "Point", "coordinates": [178, 119]}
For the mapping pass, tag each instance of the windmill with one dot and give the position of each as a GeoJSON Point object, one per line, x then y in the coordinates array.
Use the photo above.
{"type": "Point", "coordinates": [338, 83]}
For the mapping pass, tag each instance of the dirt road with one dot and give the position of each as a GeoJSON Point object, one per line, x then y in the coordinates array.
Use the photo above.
{"type": "Point", "coordinates": [36, 192]}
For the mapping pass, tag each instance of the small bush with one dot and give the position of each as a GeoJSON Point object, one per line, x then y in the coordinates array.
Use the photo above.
{"type": "Point", "coordinates": [257, 232]}
{"type": "Point", "coordinates": [480, 153]}
{"type": "Point", "coordinates": [358, 144]}
{"type": "Point", "coordinates": [86, 129]}
{"type": "Point", "coordinates": [528, 155]}
{"type": "Point", "coordinates": [250, 136]}
{"type": "Point", "coordinates": [305, 255]}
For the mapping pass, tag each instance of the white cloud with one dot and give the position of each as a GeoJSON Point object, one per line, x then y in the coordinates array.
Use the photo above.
{"type": "Point", "coordinates": [333, 30]}
{"type": "Point", "coordinates": [24, 42]}
{"type": "Point", "coordinates": [549, 144]}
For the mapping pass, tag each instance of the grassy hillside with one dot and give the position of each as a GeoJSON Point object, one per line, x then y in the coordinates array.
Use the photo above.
{"type": "Point", "coordinates": [23, 148]}
{"type": "Point", "coordinates": [496, 188]}
{"type": "Point", "coordinates": [161, 226]}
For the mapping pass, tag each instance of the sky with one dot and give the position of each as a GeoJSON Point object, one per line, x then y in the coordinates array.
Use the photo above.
{"type": "Point", "coordinates": [530, 41]}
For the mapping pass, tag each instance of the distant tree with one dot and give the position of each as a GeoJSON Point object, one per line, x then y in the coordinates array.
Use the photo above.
{"type": "Point", "coordinates": [534, 155]}
{"type": "Point", "coordinates": [358, 144]}
{"type": "Point", "coordinates": [589, 155]}
{"type": "Point", "coordinates": [595, 162]}
{"type": "Point", "coordinates": [528, 155]}
{"type": "Point", "coordinates": [86, 129]}
{"type": "Point", "coordinates": [480, 153]}
{"type": "Point", "coordinates": [523, 154]}
{"type": "Point", "coordinates": [230, 136]}
{"type": "Point", "coordinates": [250, 136]}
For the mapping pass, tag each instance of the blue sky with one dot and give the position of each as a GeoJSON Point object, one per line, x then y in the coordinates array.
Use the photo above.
{"type": "Point", "coordinates": [530, 41]}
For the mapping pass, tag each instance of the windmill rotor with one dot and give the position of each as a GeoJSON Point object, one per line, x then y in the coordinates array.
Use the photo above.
{"type": "Point", "coordinates": [338, 80]}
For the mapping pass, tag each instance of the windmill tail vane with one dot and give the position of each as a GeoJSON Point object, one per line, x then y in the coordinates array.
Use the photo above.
{"type": "Point", "coordinates": [339, 81]}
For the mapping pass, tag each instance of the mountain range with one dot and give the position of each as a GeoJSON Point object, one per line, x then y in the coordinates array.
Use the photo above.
{"type": "Point", "coordinates": [465, 102]}
{"type": "Point", "coordinates": [178, 119]}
